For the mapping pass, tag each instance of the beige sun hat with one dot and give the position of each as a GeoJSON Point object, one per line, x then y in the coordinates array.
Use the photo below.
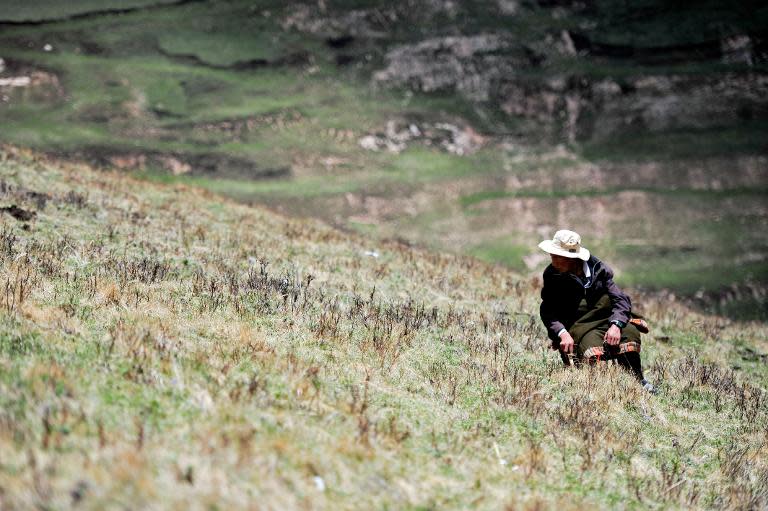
{"type": "Point", "coordinates": [567, 244]}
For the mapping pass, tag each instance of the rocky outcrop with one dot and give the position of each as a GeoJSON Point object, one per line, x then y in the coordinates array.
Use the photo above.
{"type": "Point", "coordinates": [702, 175]}
{"type": "Point", "coordinates": [534, 78]}
{"type": "Point", "coordinates": [664, 103]}
{"type": "Point", "coordinates": [398, 135]}
{"type": "Point", "coordinates": [738, 49]}
{"type": "Point", "coordinates": [368, 23]}
{"type": "Point", "coordinates": [580, 109]}
{"type": "Point", "coordinates": [470, 65]}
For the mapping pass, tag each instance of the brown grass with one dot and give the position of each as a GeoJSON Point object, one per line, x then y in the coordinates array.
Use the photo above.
{"type": "Point", "coordinates": [164, 348]}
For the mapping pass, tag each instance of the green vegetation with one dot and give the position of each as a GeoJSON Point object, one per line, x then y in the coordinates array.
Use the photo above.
{"type": "Point", "coordinates": [474, 199]}
{"type": "Point", "coordinates": [468, 201]}
{"type": "Point", "coordinates": [161, 346]}
{"type": "Point", "coordinates": [227, 49]}
{"type": "Point", "coordinates": [502, 251]}
{"type": "Point", "coordinates": [424, 164]}
{"type": "Point", "coordinates": [268, 102]}
{"type": "Point", "coordinates": [305, 189]}
{"type": "Point", "coordinates": [746, 138]}
{"type": "Point", "coordinates": [47, 10]}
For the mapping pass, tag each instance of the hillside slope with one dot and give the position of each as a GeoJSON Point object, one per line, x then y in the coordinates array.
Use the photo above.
{"type": "Point", "coordinates": [642, 125]}
{"type": "Point", "coordinates": [161, 347]}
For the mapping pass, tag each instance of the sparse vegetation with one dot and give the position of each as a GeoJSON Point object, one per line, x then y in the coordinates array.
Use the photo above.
{"type": "Point", "coordinates": [268, 102]}
{"type": "Point", "coordinates": [162, 347]}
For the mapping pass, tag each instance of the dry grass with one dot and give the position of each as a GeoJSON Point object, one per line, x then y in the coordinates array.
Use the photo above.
{"type": "Point", "coordinates": [163, 348]}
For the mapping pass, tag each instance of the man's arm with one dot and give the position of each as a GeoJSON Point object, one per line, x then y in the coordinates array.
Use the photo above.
{"type": "Point", "coordinates": [555, 328]}
{"type": "Point", "coordinates": [546, 311]}
{"type": "Point", "coordinates": [621, 305]}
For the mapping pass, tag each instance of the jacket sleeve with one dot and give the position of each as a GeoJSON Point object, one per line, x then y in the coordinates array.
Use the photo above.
{"type": "Point", "coordinates": [547, 313]}
{"type": "Point", "coordinates": [621, 305]}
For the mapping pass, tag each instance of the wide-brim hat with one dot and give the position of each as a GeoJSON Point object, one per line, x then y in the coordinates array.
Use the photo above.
{"type": "Point", "coordinates": [567, 244]}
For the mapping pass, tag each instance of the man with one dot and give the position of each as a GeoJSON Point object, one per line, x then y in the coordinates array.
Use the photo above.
{"type": "Point", "coordinates": [588, 318]}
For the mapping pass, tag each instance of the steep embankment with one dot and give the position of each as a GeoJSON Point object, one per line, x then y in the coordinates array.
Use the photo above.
{"type": "Point", "coordinates": [161, 347]}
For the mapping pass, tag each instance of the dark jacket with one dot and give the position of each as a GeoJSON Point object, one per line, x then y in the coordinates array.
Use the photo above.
{"type": "Point", "coordinates": [562, 293]}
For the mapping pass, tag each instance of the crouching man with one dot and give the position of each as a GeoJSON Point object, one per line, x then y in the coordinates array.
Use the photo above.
{"type": "Point", "coordinates": [588, 318]}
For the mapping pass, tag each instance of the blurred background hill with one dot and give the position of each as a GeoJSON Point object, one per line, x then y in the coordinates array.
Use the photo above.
{"type": "Point", "coordinates": [473, 127]}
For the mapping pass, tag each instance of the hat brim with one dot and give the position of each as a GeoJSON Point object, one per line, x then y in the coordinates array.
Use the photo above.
{"type": "Point", "coordinates": [549, 247]}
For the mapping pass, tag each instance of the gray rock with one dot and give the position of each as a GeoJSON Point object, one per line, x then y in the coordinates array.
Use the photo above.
{"type": "Point", "coordinates": [659, 104]}
{"type": "Point", "coordinates": [398, 135]}
{"type": "Point", "coordinates": [470, 65]}
{"type": "Point", "coordinates": [737, 49]}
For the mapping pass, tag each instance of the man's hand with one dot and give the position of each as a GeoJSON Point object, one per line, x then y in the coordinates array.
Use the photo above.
{"type": "Point", "coordinates": [613, 335]}
{"type": "Point", "coordinates": [566, 342]}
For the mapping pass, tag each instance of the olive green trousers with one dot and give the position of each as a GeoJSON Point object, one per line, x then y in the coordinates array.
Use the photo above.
{"type": "Point", "coordinates": [589, 330]}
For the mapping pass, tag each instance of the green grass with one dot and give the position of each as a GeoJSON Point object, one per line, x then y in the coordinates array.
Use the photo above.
{"type": "Point", "coordinates": [251, 190]}
{"type": "Point", "coordinates": [167, 96]}
{"type": "Point", "coordinates": [502, 251]}
{"type": "Point", "coordinates": [222, 49]}
{"type": "Point", "coordinates": [48, 10]}
{"type": "Point", "coordinates": [415, 166]}
{"type": "Point", "coordinates": [474, 199]}
{"type": "Point", "coordinates": [747, 138]}
{"type": "Point", "coordinates": [423, 164]}
{"type": "Point", "coordinates": [719, 275]}
{"type": "Point", "coordinates": [692, 242]}
{"type": "Point", "coordinates": [413, 380]}
{"type": "Point", "coordinates": [688, 274]}
{"type": "Point", "coordinates": [129, 87]}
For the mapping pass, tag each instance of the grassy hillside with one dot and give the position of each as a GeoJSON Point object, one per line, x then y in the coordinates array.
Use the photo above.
{"type": "Point", "coordinates": [161, 347]}
{"type": "Point", "coordinates": [268, 102]}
